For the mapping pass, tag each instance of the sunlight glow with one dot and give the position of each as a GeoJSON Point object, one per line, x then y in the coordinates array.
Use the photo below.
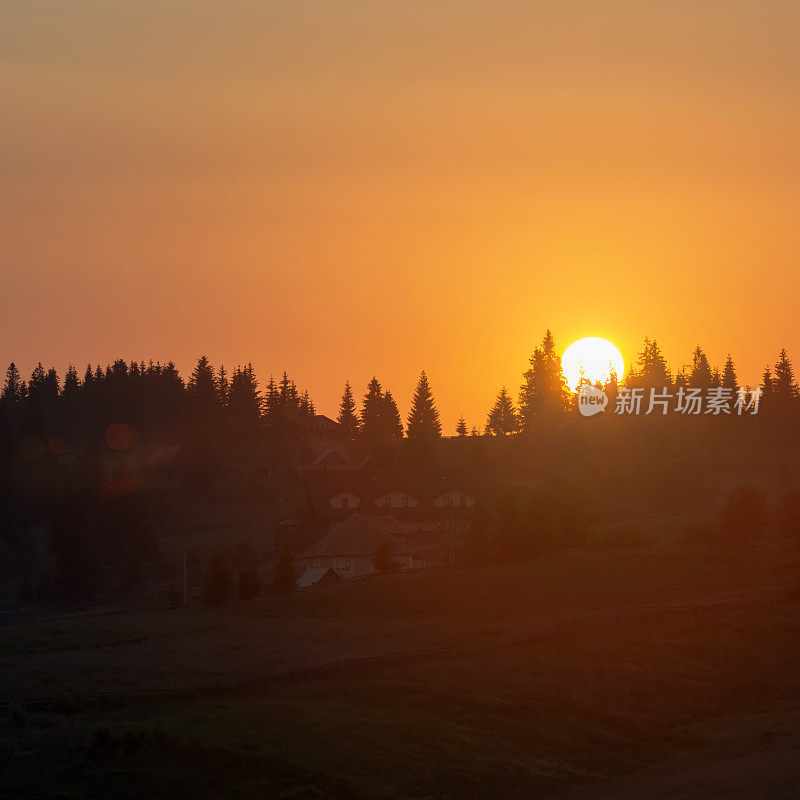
{"type": "Point", "coordinates": [591, 359]}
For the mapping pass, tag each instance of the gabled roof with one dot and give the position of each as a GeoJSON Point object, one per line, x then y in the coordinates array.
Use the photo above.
{"type": "Point", "coordinates": [320, 423]}
{"type": "Point", "coordinates": [370, 484]}
{"type": "Point", "coordinates": [357, 536]}
{"type": "Point", "coordinates": [315, 575]}
{"type": "Point", "coordinates": [315, 452]}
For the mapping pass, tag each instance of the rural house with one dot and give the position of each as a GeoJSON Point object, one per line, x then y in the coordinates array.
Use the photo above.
{"type": "Point", "coordinates": [351, 546]}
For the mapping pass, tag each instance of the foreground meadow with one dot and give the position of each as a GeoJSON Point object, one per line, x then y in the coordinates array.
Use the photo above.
{"type": "Point", "coordinates": [661, 672]}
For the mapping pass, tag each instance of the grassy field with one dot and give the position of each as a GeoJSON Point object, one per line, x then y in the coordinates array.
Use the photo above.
{"type": "Point", "coordinates": [655, 673]}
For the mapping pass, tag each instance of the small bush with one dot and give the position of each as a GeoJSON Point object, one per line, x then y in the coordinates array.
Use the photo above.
{"type": "Point", "coordinates": [285, 572]}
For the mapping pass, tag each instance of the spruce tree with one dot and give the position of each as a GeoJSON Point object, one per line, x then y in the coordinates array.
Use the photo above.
{"type": "Point", "coordinates": [244, 404]}
{"type": "Point", "coordinates": [223, 386]}
{"type": "Point", "coordinates": [461, 426]}
{"type": "Point", "coordinates": [545, 393]}
{"type": "Point", "coordinates": [502, 418]}
{"type": "Point", "coordinates": [784, 385]}
{"type": "Point", "coordinates": [12, 388]}
{"type": "Point", "coordinates": [71, 382]}
{"type": "Point", "coordinates": [307, 409]}
{"type": "Point", "coordinates": [651, 369]}
{"type": "Point", "coordinates": [347, 413]}
{"type": "Point", "coordinates": [766, 383]}
{"type": "Point", "coordinates": [372, 408]}
{"type": "Point", "coordinates": [391, 423]}
{"type": "Point", "coordinates": [204, 395]}
{"type": "Point", "coordinates": [701, 376]}
{"type": "Point", "coordinates": [272, 406]}
{"type": "Point", "coordinates": [423, 421]}
{"type": "Point", "coordinates": [203, 383]}
{"type": "Point", "coordinates": [729, 380]}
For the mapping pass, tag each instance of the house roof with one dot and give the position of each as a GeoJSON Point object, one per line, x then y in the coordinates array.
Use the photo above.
{"type": "Point", "coordinates": [357, 536]}
{"type": "Point", "coordinates": [314, 575]}
{"type": "Point", "coordinates": [319, 423]}
{"type": "Point", "coordinates": [316, 451]}
{"type": "Point", "coordinates": [370, 484]}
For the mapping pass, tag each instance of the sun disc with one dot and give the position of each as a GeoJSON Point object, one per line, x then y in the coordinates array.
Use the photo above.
{"type": "Point", "coordinates": [591, 359]}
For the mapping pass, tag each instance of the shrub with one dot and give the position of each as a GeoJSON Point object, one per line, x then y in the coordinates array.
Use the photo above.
{"type": "Point", "coordinates": [285, 573]}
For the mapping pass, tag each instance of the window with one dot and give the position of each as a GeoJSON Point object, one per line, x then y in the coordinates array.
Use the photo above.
{"type": "Point", "coordinates": [463, 500]}
{"type": "Point", "coordinates": [344, 564]}
{"type": "Point", "coordinates": [387, 501]}
{"type": "Point", "coordinates": [405, 501]}
{"type": "Point", "coordinates": [345, 502]}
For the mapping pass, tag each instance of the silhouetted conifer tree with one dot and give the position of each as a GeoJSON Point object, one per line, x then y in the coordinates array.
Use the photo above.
{"type": "Point", "coordinates": [223, 386]}
{"type": "Point", "coordinates": [651, 368]}
{"type": "Point", "coordinates": [766, 383]}
{"type": "Point", "coordinates": [502, 417]}
{"type": "Point", "coordinates": [391, 422]}
{"type": "Point", "coordinates": [71, 382]}
{"type": "Point", "coordinates": [347, 417]}
{"type": "Point", "coordinates": [13, 386]}
{"type": "Point", "coordinates": [701, 376]}
{"type": "Point", "coordinates": [272, 406]}
{"type": "Point", "coordinates": [545, 393]}
{"type": "Point", "coordinates": [372, 408]}
{"type": "Point", "coordinates": [729, 380]}
{"type": "Point", "coordinates": [204, 395]}
{"type": "Point", "coordinates": [461, 427]}
{"type": "Point", "coordinates": [784, 386]}
{"type": "Point", "coordinates": [423, 420]}
{"type": "Point", "coordinates": [244, 405]}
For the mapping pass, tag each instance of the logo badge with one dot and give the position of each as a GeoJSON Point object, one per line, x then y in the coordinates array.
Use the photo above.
{"type": "Point", "coordinates": [591, 400]}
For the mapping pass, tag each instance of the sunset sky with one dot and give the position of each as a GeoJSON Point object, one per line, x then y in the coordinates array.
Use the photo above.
{"type": "Point", "coordinates": [343, 188]}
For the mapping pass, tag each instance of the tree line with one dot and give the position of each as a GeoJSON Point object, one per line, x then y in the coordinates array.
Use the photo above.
{"type": "Point", "coordinates": [217, 406]}
{"type": "Point", "coordinates": [544, 396]}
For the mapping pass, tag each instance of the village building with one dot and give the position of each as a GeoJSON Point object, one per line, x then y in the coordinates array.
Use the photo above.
{"type": "Point", "coordinates": [354, 547]}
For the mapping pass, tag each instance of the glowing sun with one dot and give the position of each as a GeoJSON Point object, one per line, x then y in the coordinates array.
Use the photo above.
{"type": "Point", "coordinates": [591, 359]}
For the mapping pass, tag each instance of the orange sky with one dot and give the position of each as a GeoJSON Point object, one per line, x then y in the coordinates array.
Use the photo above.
{"type": "Point", "coordinates": [345, 188]}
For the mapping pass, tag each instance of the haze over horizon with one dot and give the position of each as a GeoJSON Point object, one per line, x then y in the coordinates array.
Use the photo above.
{"type": "Point", "coordinates": [343, 189]}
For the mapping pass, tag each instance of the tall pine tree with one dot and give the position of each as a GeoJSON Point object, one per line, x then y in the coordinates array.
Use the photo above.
{"type": "Point", "coordinates": [391, 423]}
{"type": "Point", "coordinates": [423, 421]}
{"type": "Point", "coordinates": [348, 418]}
{"type": "Point", "coordinates": [545, 394]}
{"type": "Point", "coordinates": [701, 376]}
{"type": "Point", "coordinates": [502, 418]}
{"type": "Point", "coordinates": [372, 411]}
{"type": "Point", "coordinates": [729, 380]}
